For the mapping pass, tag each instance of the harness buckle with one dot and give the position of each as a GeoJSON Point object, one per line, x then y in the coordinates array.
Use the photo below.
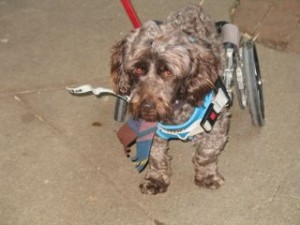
{"type": "Point", "coordinates": [209, 119]}
{"type": "Point", "coordinates": [221, 100]}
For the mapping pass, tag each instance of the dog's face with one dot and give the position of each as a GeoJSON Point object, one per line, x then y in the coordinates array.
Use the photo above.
{"type": "Point", "coordinates": [158, 65]}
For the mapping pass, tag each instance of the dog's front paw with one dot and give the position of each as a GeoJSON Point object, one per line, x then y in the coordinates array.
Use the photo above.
{"type": "Point", "coordinates": [153, 187]}
{"type": "Point", "coordinates": [212, 181]}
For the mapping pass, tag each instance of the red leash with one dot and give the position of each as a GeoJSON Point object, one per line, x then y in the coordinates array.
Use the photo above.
{"type": "Point", "coordinates": [131, 13]}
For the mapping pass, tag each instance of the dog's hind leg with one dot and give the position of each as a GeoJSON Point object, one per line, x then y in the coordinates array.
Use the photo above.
{"type": "Point", "coordinates": [208, 147]}
{"type": "Point", "coordinates": [158, 175]}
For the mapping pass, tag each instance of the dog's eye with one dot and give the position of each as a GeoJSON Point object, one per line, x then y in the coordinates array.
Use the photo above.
{"type": "Point", "coordinates": [139, 71]}
{"type": "Point", "coordinates": [166, 74]}
{"type": "Point", "coordinates": [163, 71]}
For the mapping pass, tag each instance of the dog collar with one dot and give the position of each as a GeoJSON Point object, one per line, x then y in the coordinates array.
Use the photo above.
{"type": "Point", "coordinates": [203, 117]}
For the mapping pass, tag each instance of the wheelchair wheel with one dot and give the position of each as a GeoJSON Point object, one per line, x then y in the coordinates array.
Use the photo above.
{"type": "Point", "coordinates": [253, 83]}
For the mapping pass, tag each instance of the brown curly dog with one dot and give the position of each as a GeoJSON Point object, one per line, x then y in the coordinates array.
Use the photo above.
{"type": "Point", "coordinates": [167, 68]}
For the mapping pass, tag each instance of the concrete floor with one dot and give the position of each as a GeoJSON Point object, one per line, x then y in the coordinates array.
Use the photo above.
{"type": "Point", "coordinates": [57, 168]}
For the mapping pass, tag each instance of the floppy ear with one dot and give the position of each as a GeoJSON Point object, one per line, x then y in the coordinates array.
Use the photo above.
{"type": "Point", "coordinates": [120, 80]}
{"type": "Point", "coordinates": [203, 74]}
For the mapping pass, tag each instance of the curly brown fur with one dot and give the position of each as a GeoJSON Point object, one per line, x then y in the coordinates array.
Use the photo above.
{"type": "Point", "coordinates": [168, 68]}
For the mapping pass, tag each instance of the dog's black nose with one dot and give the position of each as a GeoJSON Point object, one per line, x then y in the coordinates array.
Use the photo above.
{"type": "Point", "coordinates": [148, 110]}
{"type": "Point", "coordinates": [148, 105]}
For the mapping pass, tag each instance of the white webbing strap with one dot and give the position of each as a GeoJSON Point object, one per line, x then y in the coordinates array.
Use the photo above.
{"type": "Point", "coordinates": [85, 89]}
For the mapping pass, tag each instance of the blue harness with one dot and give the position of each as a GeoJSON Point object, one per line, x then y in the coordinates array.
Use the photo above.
{"type": "Point", "coordinates": [191, 127]}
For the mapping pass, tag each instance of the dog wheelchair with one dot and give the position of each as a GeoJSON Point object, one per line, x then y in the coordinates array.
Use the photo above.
{"type": "Point", "coordinates": [242, 71]}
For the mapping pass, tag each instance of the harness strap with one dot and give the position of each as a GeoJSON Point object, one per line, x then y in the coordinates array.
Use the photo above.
{"type": "Point", "coordinates": [203, 118]}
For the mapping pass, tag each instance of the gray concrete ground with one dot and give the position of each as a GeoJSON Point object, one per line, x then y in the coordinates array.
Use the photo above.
{"type": "Point", "coordinates": [57, 168]}
{"type": "Point", "coordinates": [274, 23]}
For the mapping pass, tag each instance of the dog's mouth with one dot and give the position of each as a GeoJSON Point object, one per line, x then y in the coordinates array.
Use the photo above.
{"type": "Point", "coordinates": [149, 116]}
{"type": "Point", "coordinates": [150, 111]}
